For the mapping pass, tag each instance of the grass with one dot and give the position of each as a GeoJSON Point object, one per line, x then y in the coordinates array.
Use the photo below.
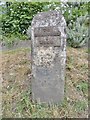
{"type": "Point", "coordinates": [82, 86]}
{"type": "Point", "coordinates": [9, 39]}
{"type": "Point", "coordinates": [16, 87]}
{"type": "Point", "coordinates": [15, 51]}
{"type": "Point", "coordinates": [80, 106]}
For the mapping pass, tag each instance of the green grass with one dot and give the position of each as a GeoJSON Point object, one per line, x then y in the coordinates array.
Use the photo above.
{"type": "Point", "coordinates": [11, 38]}
{"type": "Point", "coordinates": [82, 86]}
{"type": "Point", "coordinates": [16, 50]}
{"type": "Point", "coordinates": [17, 100]}
{"type": "Point", "coordinates": [80, 106]}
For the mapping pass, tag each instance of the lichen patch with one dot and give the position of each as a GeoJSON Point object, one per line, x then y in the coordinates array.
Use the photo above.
{"type": "Point", "coordinates": [45, 57]}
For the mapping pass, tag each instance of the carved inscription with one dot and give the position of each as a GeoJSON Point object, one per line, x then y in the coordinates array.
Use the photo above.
{"type": "Point", "coordinates": [47, 36]}
{"type": "Point", "coordinates": [48, 41]}
{"type": "Point", "coordinates": [46, 31]}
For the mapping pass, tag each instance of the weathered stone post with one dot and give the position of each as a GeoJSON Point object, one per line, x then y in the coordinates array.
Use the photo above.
{"type": "Point", "coordinates": [48, 56]}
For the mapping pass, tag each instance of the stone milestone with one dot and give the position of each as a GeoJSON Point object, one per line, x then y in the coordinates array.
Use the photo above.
{"type": "Point", "coordinates": [48, 37]}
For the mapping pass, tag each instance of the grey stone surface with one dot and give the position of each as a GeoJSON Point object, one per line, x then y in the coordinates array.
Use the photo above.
{"type": "Point", "coordinates": [48, 40]}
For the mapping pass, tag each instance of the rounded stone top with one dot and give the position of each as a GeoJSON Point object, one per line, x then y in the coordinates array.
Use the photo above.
{"type": "Point", "coordinates": [49, 18]}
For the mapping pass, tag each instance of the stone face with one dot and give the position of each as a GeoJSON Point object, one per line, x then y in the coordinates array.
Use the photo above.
{"type": "Point", "coordinates": [48, 56]}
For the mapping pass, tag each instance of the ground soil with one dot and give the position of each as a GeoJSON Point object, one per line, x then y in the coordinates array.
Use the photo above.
{"type": "Point", "coordinates": [15, 73]}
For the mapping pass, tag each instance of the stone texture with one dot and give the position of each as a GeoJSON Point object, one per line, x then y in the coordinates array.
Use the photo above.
{"type": "Point", "coordinates": [48, 56]}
